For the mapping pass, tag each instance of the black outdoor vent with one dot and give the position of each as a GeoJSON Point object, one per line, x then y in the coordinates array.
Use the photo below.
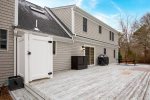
{"type": "Point", "coordinates": [78, 62]}
{"type": "Point", "coordinates": [15, 82]}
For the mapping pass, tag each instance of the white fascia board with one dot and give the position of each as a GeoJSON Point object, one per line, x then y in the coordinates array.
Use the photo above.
{"type": "Point", "coordinates": [16, 13]}
{"type": "Point", "coordinates": [64, 7]}
{"type": "Point", "coordinates": [57, 38]}
{"type": "Point", "coordinates": [58, 22]}
{"type": "Point", "coordinates": [94, 19]}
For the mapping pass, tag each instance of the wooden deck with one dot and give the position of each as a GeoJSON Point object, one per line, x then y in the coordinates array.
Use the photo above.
{"type": "Point", "coordinates": [113, 82]}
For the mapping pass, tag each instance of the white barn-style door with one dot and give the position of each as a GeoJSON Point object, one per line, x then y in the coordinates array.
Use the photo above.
{"type": "Point", "coordinates": [40, 57]}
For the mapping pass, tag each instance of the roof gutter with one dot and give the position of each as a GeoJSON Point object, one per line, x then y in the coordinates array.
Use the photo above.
{"type": "Point", "coordinates": [50, 12]}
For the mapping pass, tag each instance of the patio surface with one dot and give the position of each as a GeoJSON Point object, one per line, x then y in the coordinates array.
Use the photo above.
{"type": "Point", "coordinates": [113, 82]}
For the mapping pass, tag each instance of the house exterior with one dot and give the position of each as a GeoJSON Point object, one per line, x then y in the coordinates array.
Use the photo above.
{"type": "Point", "coordinates": [7, 16]}
{"type": "Point", "coordinates": [97, 35]}
{"type": "Point", "coordinates": [73, 32]}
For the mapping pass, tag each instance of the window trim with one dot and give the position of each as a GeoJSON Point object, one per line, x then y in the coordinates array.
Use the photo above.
{"type": "Point", "coordinates": [7, 41]}
{"type": "Point", "coordinates": [85, 28]}
{"type": "Point", "coordinates": [55, 48]}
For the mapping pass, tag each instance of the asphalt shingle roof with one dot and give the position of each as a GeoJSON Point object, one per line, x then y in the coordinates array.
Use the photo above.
{"type": "Point", "coordinates": [46, 24]}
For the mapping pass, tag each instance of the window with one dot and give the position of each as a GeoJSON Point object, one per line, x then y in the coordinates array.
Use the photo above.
{"type": "Point", "coordinates": [3, 39]}
{"type": "Point", "coordinates": [39, 10]}
{"type": "Point", "coordinates": [110, 35]}
{"type": "Point", "coordinates": [100, 29]}
{"type": "Point", "coordinates": [54, 47]}
{"type": "Point", "coordinates": [84, 24]}
{"type": "Point", "coordinates": [105, 51]}
{"type": "Point", "coordinates": [114, 53]}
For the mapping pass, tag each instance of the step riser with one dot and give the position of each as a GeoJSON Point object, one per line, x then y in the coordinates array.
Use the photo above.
{"type": "Point", "coordinates": [33, 93]}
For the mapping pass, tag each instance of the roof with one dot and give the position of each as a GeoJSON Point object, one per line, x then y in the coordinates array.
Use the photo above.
{"type": "Point", "coordinates": [28, 13]}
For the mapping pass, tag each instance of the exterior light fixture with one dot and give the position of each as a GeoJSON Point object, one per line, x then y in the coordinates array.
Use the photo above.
{"type": "Point", "coordinates": [83, 48]}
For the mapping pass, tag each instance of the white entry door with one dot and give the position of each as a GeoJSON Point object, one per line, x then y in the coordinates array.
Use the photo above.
{"type": "Point", "coordinates": [40, 57]}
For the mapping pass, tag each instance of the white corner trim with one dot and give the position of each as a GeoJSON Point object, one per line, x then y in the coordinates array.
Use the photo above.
{"type": "Point", "coordinates": [73, 20]}
{"type": "Point", "coordinates": [15, 42]}
{"type": "Point", "coordinates": [16, 13]}
{"type": "Point", "coordinates": [58, 22]}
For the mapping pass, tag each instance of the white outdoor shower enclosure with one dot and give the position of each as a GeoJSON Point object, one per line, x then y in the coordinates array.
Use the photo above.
{"type": "Point", "coordinates": [34, 57]}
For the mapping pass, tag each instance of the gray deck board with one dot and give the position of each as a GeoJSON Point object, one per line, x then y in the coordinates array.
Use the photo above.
{"type": "Point", "coordinates": [116, 82]}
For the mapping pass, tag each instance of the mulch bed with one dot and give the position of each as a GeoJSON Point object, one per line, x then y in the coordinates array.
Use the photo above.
{"type": "Point", "coordinates": [4, 94]}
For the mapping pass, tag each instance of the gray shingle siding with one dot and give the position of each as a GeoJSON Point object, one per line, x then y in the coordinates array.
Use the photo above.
{"type": "Point", "coordinates": [7, 8]}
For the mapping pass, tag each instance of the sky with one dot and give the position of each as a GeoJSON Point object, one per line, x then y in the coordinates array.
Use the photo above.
{"type": "Point", "coordinates": [108, 11]}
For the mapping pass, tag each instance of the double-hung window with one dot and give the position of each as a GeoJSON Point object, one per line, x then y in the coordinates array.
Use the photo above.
{"type": "Point", "coordinates": [3, 39]}
{"type": "Point", "coordinates": [111, 36]}
{"type": "Point", "coordinates": [84, 24]}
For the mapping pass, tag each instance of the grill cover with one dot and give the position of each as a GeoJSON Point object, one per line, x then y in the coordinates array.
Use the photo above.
{"type": "Point", "coordinates": [103, 60]}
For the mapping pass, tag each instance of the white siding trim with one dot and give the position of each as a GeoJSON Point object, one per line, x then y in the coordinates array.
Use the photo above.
{"type": "Point", "coordinates": [100, 44]}
{"type": "Point", "coordinates": [26, 37]}
{"type": "Point", "coordinates": [16, 13]}
{"type": "Point", "coordinates": [58, 22]}
{"type": "Point", "coordinates": [57, 38]}
{"type": "Point", "coordinates": [73, 20]}
{"type": "Point", "coordinates": [15, 32]}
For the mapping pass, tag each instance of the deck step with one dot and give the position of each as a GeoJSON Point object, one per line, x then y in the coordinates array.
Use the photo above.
{"type": "Point", "coordinates": [34, 93]}
{"type": "Point", "coordinates": [22, 94]}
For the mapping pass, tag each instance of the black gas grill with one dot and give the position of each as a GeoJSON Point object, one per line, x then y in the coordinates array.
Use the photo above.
{"type": "Point", "coordinates": [103, 60]}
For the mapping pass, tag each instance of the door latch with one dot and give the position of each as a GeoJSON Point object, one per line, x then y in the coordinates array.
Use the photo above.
{"type": "Point", "coordinates": [29, 53]}
{"type": "Point", "coordinates": [50, 73]}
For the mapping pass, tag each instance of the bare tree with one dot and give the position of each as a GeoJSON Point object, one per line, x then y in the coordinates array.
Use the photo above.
{"type": "Point", "coordinates": [126, 35]}
{"type": "Point", "coordinates": [142, 35]}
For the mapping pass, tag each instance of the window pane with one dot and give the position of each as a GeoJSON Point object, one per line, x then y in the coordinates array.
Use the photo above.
{"type": "Point", "coordinates": [3, 44]}
{"type": "Point", "coordinates": [3, 39]}
{"type": "Point", "coordinates": [84, 24]}
{"type": "Point", "coordinates": [100, 29]}
{"type": "Point", "coordinates": [3, 34]}
{"type": "Point", "coordinates": [110, 35]}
